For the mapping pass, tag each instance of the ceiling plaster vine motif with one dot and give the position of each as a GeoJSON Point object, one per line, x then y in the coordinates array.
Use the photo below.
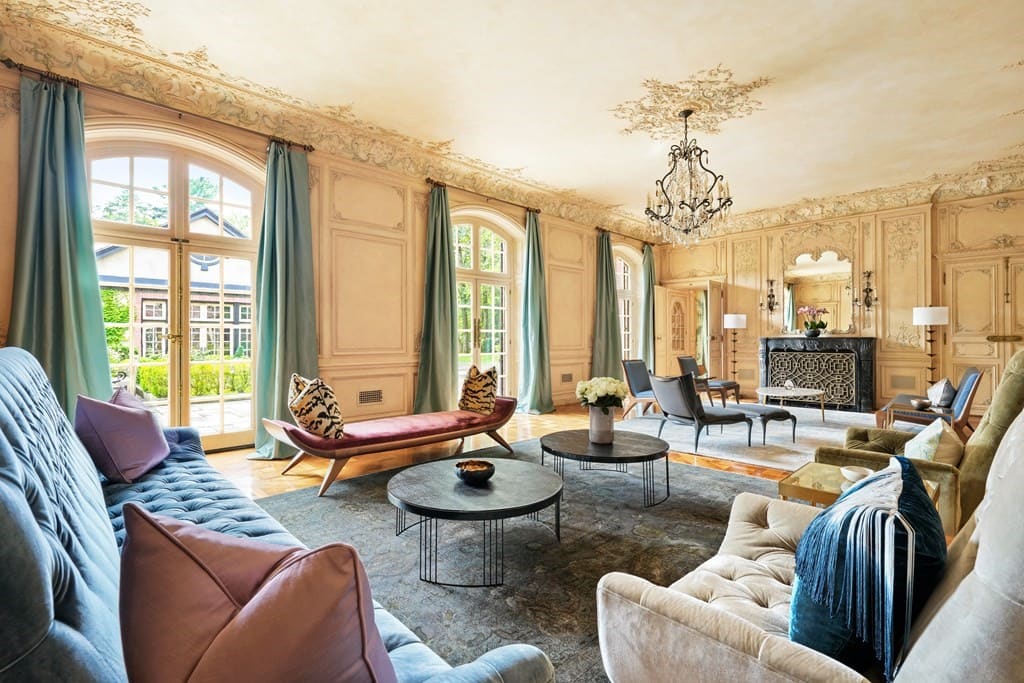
{"type": "Point", "coordinates": [10, 101]}
{"type": "Point", "coordinates": [712, 93]}
{"type": "Point", "coordinates": [106, 49]}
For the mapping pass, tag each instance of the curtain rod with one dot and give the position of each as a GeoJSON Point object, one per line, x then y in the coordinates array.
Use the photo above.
{"type": "Point", "coordinates": [622, 234]}
{"type": "Point", "coordinates": [49, 75]}
{"type": "Point", "coordinates": [438, 183]}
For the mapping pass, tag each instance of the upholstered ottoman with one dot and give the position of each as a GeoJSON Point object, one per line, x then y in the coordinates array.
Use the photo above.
{"type": "Point", "coordinates": [766, 413]}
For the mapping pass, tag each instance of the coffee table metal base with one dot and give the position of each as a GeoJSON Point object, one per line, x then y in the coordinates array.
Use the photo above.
{"type": "Point", "coordinates": [492, 543]}
{"type": "Point", "coordinates": [629, 447]}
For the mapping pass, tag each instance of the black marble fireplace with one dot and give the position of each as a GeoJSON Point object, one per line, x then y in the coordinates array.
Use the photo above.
{"type": "Point", "coordinates": [844, 367]}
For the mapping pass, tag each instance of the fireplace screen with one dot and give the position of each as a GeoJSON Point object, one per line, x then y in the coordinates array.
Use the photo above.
{"type": "Point", "coordinates": [835, 372]}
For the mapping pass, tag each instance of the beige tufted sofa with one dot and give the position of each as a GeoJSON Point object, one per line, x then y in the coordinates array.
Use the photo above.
{"type": "Point", "coordinates": [728, 619]}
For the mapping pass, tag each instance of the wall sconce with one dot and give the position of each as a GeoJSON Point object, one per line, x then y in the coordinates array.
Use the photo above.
{"type": "Point", "coordinates": [771, 303]}
{"type": "Point", "coordinates": [870, 298]}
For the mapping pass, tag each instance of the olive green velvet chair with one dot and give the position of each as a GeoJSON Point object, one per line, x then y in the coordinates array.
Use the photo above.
{"type": "Point", "coordinates": [960, 487]}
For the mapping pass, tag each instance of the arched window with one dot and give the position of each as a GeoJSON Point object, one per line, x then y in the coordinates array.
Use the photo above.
{"type": "Point", "coordinates": [627, 287]}
{"type": "Point", "coordinates": [484, 271]}
{"type": "Point", "coordinates": [175, 222]}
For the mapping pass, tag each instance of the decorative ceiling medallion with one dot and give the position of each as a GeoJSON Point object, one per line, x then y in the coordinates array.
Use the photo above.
{"type": "Point", "coordinates": [713, 95]}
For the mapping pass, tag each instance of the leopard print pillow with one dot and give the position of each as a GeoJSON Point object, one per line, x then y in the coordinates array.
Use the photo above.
{"type": "Point", "coordinates": [479, 391]}
{"type": "Point", "coordinates": [315, 408]}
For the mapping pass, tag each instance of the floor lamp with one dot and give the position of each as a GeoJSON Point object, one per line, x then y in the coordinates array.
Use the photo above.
{"type": "Point", "coordinates": [734, 321]}
{"type": "Point", "coordinates": [930, 317]}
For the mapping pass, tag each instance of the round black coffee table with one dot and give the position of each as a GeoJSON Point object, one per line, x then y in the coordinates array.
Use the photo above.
{"type": "Point", "coordinates": [432, 492]}
{"type": "Point", "coordinates": [627, 447]}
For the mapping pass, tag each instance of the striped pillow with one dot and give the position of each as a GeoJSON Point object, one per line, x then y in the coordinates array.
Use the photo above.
{"type": "Point", "coordinates": [479, 391]}
{"type": "Point", "coordinates": [315, 408]}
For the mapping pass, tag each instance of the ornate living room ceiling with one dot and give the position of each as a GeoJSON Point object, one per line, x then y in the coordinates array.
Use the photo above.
{"type": "Point", "coordinates": [823, 99]}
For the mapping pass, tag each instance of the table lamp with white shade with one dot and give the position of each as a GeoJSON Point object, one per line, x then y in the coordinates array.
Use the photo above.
{"type": "Point", "coordinates": [930, 317]}
{"type": "Point", "coordinates": [734, 321]}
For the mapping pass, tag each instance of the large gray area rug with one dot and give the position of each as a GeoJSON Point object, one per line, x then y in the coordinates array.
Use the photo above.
{"type": "Point", "coordinates": [779, 451]}
{"type": "Point", "coordinates": [548, 598]}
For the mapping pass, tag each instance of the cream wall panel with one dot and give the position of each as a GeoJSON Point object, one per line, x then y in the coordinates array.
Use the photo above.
{"type": "Point", "coordinates": [566, 307]}
{"type": "Point", "coordinates": [903, 282]}
{"type": "Point", "coordinates": [982, 224]}
{"type": "Point", "coordinates": [897, 377]}
{"type": "Point", "coordinates": [566, 246]}
{"type": "Point", "coordinates": [395, 387]}
{"type": "Point", "coordinates": [700, 261]}
{"type": "Point", "coordinates": [8, 193]}
{"type": "Point", "coordinates": [367, 202]}
{"type": "Point", "coordinates": [367, 281]}
{"type": "Point", "coordinates": [564, 377]}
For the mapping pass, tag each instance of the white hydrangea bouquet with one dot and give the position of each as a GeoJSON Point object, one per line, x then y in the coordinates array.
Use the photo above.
{"type": "Point", "coordinates": [602, 392]}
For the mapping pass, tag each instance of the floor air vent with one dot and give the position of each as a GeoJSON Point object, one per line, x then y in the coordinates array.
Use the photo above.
{"type": "Point", "coordinates": [566, 377]}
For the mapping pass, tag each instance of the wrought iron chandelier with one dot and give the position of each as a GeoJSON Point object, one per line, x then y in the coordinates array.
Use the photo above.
{"type": "Point", "coordinates": [690, 198]}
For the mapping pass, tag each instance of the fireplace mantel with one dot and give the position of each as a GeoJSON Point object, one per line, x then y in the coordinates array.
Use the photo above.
{"type": "Point", "coordinates": [844, 367]}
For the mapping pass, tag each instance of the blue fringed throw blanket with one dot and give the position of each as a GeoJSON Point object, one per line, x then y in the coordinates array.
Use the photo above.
{"type": "Point", "coordinates": [853, 563]}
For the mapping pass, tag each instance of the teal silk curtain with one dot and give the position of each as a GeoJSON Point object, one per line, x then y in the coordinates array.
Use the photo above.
{"type": "Point", "coordinates": [535, 368]}
{"type": "Point", "coordinates": [647, 306]}
{"type": "Point", "coordinates": [789, 309]}
{"type": "Point", "coordinates": [438, 369]}
{"type": "Point", "coordinates": [285, 300]}
{"type": "Point", "coordinates": [56, 312]}
{"type": "Point", "coordinates": [606, 360]}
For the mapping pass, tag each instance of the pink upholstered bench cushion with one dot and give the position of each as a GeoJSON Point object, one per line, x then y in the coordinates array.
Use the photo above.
{"type": "Point", "coordinates": [402, 427]}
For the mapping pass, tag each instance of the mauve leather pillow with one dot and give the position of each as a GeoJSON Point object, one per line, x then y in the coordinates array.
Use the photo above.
{"type": "Point", "coordinates": [198, 605]}
{"type": "Point", "coordinates": [124, 442]}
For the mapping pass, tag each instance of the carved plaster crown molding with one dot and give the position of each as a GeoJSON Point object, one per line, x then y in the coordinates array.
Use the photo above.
{"type": "Point", "coordinates": [712, 94]}
{"type": "Point", "coordinates": [101, 44]}
{"type": "Point", "coordinates": [980, 179]}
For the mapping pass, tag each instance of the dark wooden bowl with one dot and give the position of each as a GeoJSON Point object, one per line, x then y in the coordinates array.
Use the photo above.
{"type": "Point", "coordinates": [474, 472]}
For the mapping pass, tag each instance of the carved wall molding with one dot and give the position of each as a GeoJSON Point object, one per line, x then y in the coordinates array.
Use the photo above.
{"type": "Point", "coordinates": [712, 93]}
{"type": "Point", "coordinates": [10, 101]}
{"type": "Point", "coordinates": [746, 258]}
{"type": "Point", "coordinates": [903, 237]}
{"type": "Point", "coordinates": [101, 44]}
{"type": "Point", "coordinates": [840, 237]}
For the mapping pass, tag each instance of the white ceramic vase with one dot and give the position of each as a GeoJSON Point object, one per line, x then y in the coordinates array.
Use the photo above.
{"type": "Point", "coordinates": [601, 423]}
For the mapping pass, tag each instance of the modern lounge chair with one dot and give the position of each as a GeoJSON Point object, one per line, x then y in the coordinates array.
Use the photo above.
{"type": "Point", "coordinates": [639, 380]}
{"type": "Point", "coordinates": [958, 415]}
{"type": "Point", "coordinates": [680, 403]}
{"type": "Point", "coordinates": [708, 385]}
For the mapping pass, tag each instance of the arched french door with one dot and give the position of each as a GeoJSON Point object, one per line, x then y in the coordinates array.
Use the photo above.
{"type": "Point", "coordinates": [484, 270]}
{"type": "Point", "coordinates": [175, 233]}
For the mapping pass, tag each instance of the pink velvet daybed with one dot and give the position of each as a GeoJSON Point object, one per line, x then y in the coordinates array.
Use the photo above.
{"type": "Point", "coordinates": [390, 433]}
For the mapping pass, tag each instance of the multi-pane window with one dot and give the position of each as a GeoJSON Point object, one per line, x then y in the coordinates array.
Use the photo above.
{"type": "Point", "coordinates": [624, 291]}
{"type": "Point", "coordinates": [130, 189]}
{"type": "Point", "coordinates": [244, 313]}
{"type": "Point", "coordinates": [154, 309]}
{"type": "Point", "coordinates": [482, 299]}
{"type": "Point", "coordinates": [154, 342]}
{"type": "Point", "coordinates": [218, 205]}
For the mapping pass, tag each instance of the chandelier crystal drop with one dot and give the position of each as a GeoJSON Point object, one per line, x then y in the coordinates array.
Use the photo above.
{"type": "Point", "coordinates": [690, 199]}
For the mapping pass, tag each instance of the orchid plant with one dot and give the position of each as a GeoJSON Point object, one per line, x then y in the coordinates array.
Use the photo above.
{"type": "Point", "coordinates": [812, 317]}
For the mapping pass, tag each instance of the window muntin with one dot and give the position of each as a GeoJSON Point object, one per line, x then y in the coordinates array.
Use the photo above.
{"type": "Point", "coordinates": [626, 296]}
{"type": "Point", "coordinates": [154, 309]}
{"type": "Point", "coordinates": [131, 190]}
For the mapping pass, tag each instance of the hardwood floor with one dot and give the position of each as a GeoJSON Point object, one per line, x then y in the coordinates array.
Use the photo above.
{"type": "Point", "coordinates": [261, 478]}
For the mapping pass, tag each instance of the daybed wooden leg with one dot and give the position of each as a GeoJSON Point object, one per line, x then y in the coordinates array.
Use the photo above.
{"type": "Point", "coordinates": [458, 449]}
{"type": "Point", "coordinates": [497, 437]}
{"type": "Point", "coordinates": [295, 461]}
{"type": "Point", "coordinates": [332, 474]}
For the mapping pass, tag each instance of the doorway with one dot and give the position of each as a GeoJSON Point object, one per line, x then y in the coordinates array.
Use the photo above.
{"type": "Point", "coordinates": [175, 253]}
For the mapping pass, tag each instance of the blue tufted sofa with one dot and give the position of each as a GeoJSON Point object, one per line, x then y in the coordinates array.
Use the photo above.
{"type": "Point", "coordinates": [61, 528]}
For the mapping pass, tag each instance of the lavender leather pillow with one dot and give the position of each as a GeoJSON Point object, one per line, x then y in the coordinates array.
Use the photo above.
{"type": "Point", "coordinates": [198, 605]}
{"type": "Point", "coordinates": [124, 442]}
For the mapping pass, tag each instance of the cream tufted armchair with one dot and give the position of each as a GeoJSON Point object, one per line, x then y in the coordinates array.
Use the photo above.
{"type": "Point", "coordinates": [728, 619]}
